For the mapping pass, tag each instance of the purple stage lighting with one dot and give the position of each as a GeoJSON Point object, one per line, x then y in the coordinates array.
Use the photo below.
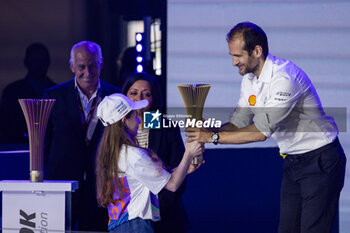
{"type": "Point", "coordinates": [138, 37]}
{"type": "Point", "coordinates": [139, 68]}
{"type": "Point", "coordinates": [139, 58]}
{"type": "Point", "coordinates": [139, 48]}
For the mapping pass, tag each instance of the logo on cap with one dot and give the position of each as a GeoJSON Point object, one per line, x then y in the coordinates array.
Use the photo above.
{"type": "Point", "coordinates": [151, 120]}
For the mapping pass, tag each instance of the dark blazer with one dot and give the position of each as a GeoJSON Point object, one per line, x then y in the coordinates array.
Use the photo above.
{"type": "Point", "coordinates": [68, 157]}
{"type": "Point", "coordinates": [168, 145]}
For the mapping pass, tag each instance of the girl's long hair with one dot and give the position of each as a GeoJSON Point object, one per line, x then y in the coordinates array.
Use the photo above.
{"type": "Point", "coordinates": [114, 137]}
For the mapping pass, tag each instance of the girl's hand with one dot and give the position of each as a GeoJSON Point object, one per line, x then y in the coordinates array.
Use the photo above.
{"type": "Point", "coordinates": [194, 148]}
{"type": "Point", "coordinates": [194, 167]}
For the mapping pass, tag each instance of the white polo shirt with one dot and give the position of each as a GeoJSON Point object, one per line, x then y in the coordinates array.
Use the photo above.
{"type": "Point", "coordinates": [283, 104]}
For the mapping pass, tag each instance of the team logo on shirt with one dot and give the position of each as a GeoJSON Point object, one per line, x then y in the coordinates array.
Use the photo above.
{"type": "Point", "coordinates": [151, 120]}
{"type": "Point", "coordinates": [252, 100]}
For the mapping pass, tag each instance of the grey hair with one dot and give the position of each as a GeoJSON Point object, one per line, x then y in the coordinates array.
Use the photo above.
{"type": "Point", "coordinates": [91, 46]}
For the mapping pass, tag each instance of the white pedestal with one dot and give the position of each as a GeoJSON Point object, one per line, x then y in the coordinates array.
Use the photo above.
{"type": "Point", "coordinates": [40, 206]}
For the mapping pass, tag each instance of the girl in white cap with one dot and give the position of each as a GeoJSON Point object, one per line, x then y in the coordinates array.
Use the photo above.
{"type": "Point", "coordinates": [128, 176]}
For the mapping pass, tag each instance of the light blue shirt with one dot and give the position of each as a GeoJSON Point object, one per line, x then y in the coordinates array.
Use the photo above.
{"type": "Point", "coordinates": [86, 105]}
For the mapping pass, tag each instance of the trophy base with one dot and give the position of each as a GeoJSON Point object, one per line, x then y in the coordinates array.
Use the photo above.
{"type": "Point", "coordinates": [36, 176]}
{"type": "Point", "coordinates": [197, 160]}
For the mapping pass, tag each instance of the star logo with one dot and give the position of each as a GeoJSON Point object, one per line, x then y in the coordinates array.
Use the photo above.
{"type": "Point", "coordinates": [151, 120]}
{"type": "Point", "coordinates": [156, 115]}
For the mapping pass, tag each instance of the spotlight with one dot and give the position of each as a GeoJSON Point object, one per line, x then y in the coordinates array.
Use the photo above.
{"type": "Point", "coordinates": [138, 37]}
{"type": "Point", "coordinates": [139, 48]}
{"type": "Point", "coordinates": [139, 68]}
{"type": "Point", "coordinates": [140, 52]}
{"type": "Point", "coordinates": [139, 58]}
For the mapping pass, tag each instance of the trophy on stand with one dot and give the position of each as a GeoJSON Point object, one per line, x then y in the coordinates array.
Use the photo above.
{"type": "Point", "coordinates": [193, 96]}
{"type": "Point", "coordinates": [36, 112]}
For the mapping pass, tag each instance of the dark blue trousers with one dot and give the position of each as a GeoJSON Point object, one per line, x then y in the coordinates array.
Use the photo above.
{"type": "Point", "coordinates": [310, 190]}
{"type": "Point", "coordinates": [136, 225]}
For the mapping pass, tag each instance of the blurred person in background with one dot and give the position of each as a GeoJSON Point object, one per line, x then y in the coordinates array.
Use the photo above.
{"type": "Point", "coordinates": [126, 65]}
{"type": "Point", "coordinates": [13, 128]}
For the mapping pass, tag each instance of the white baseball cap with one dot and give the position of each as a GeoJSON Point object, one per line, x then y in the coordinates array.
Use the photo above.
{"type": "Point", "coordinates": [116, 106]}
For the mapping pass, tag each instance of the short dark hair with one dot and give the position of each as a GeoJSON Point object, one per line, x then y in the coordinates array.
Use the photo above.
{"type": "Point", "coordinates": [34, 49]}
{"type": "Point", "coordinates": [155, 88]}
{"type": "Point", "coordinates": [252, 35]}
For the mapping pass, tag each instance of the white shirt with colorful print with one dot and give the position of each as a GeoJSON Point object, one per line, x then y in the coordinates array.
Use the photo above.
{"type": "Point", "coordinates": [142, 180]}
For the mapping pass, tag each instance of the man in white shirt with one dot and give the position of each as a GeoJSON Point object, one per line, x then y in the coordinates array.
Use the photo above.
{"type": "Point", "coordinates": [278, 99]}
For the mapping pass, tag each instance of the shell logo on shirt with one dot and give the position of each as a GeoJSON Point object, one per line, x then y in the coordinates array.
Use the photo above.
{"type": "Point", "coordinates": [252, 100]}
